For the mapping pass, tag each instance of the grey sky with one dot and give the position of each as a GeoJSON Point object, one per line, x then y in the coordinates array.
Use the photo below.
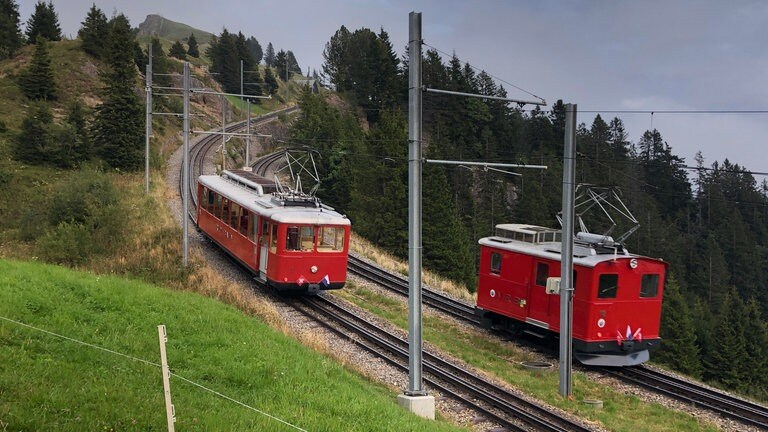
{"type": "Point", "coordinates": [644, 55]}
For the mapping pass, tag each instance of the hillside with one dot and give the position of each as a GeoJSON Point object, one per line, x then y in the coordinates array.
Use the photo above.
{"type": "Point", "coordinates": [72, 386]}
{"type": "Point", "coordinates": [156, 25]}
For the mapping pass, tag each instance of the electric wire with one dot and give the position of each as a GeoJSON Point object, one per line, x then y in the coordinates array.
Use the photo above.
{"type": "Point", "coordinates": [90, 345]}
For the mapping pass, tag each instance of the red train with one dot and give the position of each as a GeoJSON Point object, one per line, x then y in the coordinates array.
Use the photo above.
{"type": "Point", "coordinates": [289, 241]}
{"type": "Point", "coordinates": [616, 301]}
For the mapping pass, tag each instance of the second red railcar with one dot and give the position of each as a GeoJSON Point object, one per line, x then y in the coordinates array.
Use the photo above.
{"type": "Point", "coordinates": [617, 295]}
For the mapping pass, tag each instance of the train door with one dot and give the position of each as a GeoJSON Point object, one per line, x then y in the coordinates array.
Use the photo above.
{"type": "Point", "coordinates": [538, 299]}
{"type": "Point", "coordinates": [263, 247]}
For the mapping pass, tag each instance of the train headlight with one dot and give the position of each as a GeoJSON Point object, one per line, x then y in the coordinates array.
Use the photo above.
{"type": "Point", "coordinates": [313, 269]}
{"type": "Point", "coordinates": [493, 293]}
{"type": "Point", "coordinates": [633, 263]}
{"type": "Point", "coordinates": [601, 323]}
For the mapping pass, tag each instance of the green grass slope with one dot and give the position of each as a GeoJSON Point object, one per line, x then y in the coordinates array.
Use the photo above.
{"type": "Point", "coordinates": [51, 383]}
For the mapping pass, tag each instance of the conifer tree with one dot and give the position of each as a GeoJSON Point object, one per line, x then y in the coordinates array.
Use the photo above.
{"type": "Point", "coordinates": [76, 118]}
{"type": "Point", "coordinates": [43, 22]}
{"type": "Point", "coordinates": [177, 50]}
{"type": "Point", "coordinates": [678, 348]}
{"type": "Point", "coordinates": [756, 336]}
{"type": "Point", "coordinates": [118, 129]}
{"type": "Point", "coordinates": [292, 63]}
{"type": "Point", "coordinates": [33, 143]}
{"type": "Point", "coordinates": [725, 360]}
{"type": "Point", "coordinates": [193, 50]}
{"type": "Point", "coordinates": [94, 31]}
{"type": "Point", "coordinates": [255, 49]}
{"type": "Point", "coordinates": [11, 38]}
{"type": "Point", "coordinates": [37, 81]}
{"type": "Point", "coordinates": [269, 55]}
{"type": "Point", "coordinates": [270, 81]}
{"type": "Point", "coordinates": [281, 65]}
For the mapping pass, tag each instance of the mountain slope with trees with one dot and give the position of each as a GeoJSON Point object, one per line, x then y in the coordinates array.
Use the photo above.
{"type": "Point", "coordinates": [710, 224]}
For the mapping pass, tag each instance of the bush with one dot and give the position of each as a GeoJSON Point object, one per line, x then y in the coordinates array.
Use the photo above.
{"type": "Point", "coordinates": [85, 218]}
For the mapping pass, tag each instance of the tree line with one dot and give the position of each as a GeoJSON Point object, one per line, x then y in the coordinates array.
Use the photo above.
{"type": "Point", "coordinates": [711, 226]}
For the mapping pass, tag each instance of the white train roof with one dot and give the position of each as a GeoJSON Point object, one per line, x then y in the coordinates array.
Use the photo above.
{"type": "Point", "coordinates": [546, 243]}
{"type": "Point", "coordinates": [272, 207]}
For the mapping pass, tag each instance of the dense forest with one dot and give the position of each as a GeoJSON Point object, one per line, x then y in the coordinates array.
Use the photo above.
{"type": "Point", "coordinates": [710, 222]}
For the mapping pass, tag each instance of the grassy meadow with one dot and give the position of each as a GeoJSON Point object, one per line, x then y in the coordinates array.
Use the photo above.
{"type": "Point", "coordinates": [50, 383]}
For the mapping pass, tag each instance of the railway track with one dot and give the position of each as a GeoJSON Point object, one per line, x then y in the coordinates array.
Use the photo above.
{"type": "Point", "coordinates": [724, 405]}
{"type": "Point", "coordinates": [493, 402]}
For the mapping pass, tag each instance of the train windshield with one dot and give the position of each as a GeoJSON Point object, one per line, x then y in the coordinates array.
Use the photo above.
{"type": "Point", "coordinates": [300, 238]}
{"type": "Point", "coordinates": [649, 286]}
{"type": "Point", "coordinates": [331, 239]}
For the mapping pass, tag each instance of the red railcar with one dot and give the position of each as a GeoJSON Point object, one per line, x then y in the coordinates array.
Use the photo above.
{"type": "Point", "coordinates": [617, 295]}
{"type": "Point", "coordinates": [291, 242]}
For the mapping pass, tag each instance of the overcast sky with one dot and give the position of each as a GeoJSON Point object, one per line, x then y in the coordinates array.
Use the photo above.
{"type": "Point", "coordinates": [651, 55]}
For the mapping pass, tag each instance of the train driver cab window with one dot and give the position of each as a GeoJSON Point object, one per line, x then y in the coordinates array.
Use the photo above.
{"type": "Point", "coordinates": [542, 273]}
{"type": "Point", "coordinates": [495, 263]}
{"type": "Point", "coordinates": [331, 239]}
{"type": "Point", "coordinates": [264, 231]}
{"type": "Point", "coordinates": [207, 199]}
{"type": "Point", "coordinates": [608, 286]}
{"type": "Point", "coordinates": [649, 286]}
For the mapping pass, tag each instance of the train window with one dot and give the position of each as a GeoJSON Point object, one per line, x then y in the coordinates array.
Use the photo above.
{"type": "Point", "coordinates": [206, 197]}
{"type": "Point", "coordinates": [649, 286]}
{"type": "Point", "coordinates": [244, 221]}
{"type": "Point", "coordinates": [542, 273]}
{"type": "Point", "coordinates": [217, 205]}
{"type": "Point", "coordinates": [251, 226]}
{"type": "Point", "coordinates": [224, 216]}
{"type": "Point", "coordinates": [495, 263]}
{"type": "Point", "coordinates": [273, 244]}
{"type": "Point", "coordinates": [608, 285]}
{"type": "Point", "coordinates": [331, 239]}
{"type": "Point", "coordinates": [234, 215]}
{"type": "Point", "coordinates": [292, 239]}
{"type": "Point", "coordinates": [307, 240]}
{"type": "Point", "coordinates": [264, 231]}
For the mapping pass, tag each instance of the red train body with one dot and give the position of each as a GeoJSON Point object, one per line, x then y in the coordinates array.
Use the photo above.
{"type": "Point", "coordinates": [290, 242]}
{"type": "Point", "coordinates": [616, 302]}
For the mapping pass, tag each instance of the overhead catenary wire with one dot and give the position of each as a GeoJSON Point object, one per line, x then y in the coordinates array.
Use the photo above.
{"type": "Point", "coordinates": [147, 362]}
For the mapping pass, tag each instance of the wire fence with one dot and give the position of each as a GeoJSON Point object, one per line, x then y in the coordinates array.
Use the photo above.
{"type": "Point", "coordinates": [157, 365]}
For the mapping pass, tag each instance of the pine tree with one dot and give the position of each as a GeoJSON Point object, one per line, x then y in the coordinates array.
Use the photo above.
{"type": "Point", "coordinates": [756, 337]}
{"type": "Point", "coordinates": [292, 63]}
{"type": "Point", "coordinates": [160, 64]}
{"type": "Point", "coordinates": [725, 360]}
{"type": "Point", "coordinates": [43, 22]}
{"type": "Point", "coordinates": [37, 81]}
{"type": "Point", "coordinates": [11, 38]}
{"type": "Point", "coordinates": [679, 348]}
{"type": "Point", "coordinates": [177, 50]}
{"type": "Point", "coordinates": [281, 65]}
{"type": "Point", "coordinates": [269, 55]}
{"type": "Point", "coordinates": [255, 49]}
{"type": "Point", "coordinates": [192, 48]}
{"type": "Point", "coordinates": [270, 80]}
{"type": "Point", "coordinates": [76, 118]}
{"type": "Point", "coordinates": [34, 141]}
{"type": "Point", "coordinates": [118, 129]}
{"type": "Point", "coordinates": [94, 32]}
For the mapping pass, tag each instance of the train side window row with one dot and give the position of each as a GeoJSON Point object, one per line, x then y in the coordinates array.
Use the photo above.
{"type": "Point", "coordinates": [229, 212]}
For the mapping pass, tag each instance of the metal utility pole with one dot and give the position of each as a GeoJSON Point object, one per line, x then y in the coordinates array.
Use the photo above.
{"type": "Point", "coordinates": [241, 79]}
{"type": "Point", "coordinates": [149, 115]}
{"type": "Point", "coordinates": [248, 135]}
{"type": "Point", "coordinates": [223, 131]}
{"type": "Point", "coordinates": [414, 207]}
{"type": "Point", "coordinates": [185, 171]}
{"type": "Point", "coordinates": [566, 269]}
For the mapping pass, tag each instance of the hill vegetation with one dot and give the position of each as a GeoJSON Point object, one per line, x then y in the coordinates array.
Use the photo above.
{"type": "Point", "coordinates": [160, 27]}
